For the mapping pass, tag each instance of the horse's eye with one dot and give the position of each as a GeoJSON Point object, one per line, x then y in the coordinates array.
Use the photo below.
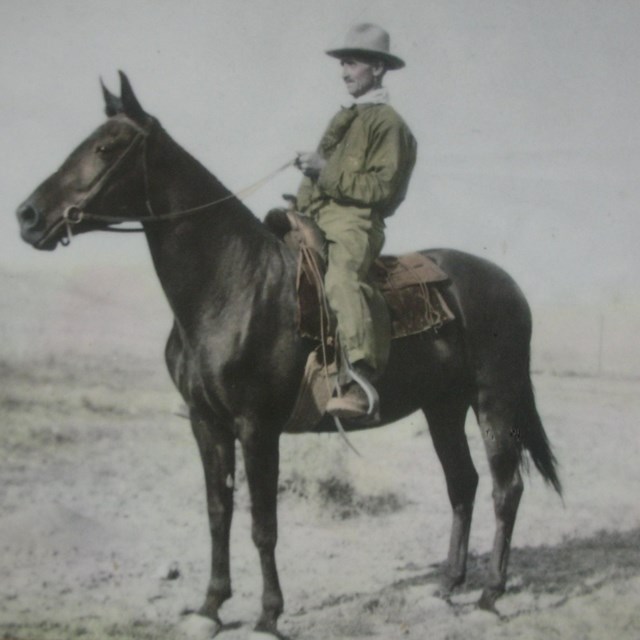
{"type": "Point", "coordinates": [104, 148]}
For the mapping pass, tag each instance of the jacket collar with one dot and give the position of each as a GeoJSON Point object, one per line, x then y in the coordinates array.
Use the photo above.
{"type": "Point", "coordinates": [375, 96]}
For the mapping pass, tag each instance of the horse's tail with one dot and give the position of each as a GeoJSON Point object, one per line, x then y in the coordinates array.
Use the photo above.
{"type": "Point", "coordinates": [535, 439]}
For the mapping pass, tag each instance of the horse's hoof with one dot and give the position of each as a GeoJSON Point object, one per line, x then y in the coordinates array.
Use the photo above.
{"type": "Point", "coordinates": [267, 626]}
{"type": "Point", "coordinates": [488, 599]}
{"type": "Point", "coordinates": [197, 627]}
{"type": "Point", "coordinates": [447, 586]}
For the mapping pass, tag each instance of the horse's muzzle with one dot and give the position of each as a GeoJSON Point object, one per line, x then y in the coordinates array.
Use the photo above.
{"type": "Point", "coordinates": [29, 217]}
{"type": "Point", "coordinates": [32, 227]}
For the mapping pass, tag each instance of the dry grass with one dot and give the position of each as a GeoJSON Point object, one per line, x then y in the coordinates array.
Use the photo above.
{"type": "Point", "coordinates": [102, 492]}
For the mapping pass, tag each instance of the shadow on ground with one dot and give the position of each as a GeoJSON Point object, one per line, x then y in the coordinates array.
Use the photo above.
{"type": "Point", "coordinates": [554, 569]}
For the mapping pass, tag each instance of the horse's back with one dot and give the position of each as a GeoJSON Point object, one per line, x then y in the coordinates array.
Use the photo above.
{"type": "Point", "coordinates": [493, 314]}
{"type": "Point", "coordinates": [484, 295]}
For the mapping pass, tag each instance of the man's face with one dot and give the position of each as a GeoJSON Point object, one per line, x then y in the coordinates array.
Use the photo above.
{"type": "Point", "coordinates": [361, 76]}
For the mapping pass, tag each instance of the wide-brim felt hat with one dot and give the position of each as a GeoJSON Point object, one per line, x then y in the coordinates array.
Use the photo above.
{"type": "Point", "coordinates": [369, 40]}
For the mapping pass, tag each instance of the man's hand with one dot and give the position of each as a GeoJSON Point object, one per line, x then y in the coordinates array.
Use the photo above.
{"type": "Point", "coordinates": [311, 164]}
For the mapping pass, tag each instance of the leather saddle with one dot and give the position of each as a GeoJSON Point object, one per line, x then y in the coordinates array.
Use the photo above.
{"type": "Point", "coordinates": [409, 283]}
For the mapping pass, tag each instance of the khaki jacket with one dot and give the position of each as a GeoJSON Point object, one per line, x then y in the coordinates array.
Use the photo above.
{"type": "Point", "coordinates": [370, 154]}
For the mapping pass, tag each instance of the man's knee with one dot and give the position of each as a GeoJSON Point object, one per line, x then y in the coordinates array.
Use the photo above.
{"type": "Point", "coordinates": [341, 284]}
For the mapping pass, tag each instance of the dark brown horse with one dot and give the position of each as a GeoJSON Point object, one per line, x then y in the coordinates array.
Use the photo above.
{"type": "Point", "coordinates": [237, 359]}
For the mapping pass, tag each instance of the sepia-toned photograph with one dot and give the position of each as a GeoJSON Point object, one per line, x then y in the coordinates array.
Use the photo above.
{"type": "Point", "coordinates": [319, 320]}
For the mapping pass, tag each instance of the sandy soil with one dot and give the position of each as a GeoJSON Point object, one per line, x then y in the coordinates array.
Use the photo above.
{"type": "Point", "coordinates": [103, 524]}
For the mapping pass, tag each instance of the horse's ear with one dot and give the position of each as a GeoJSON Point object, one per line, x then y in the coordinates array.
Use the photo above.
{"type": "Point", "coordinates": [130, 105]}
{"type": "Point", "coordinates": [112, 104]}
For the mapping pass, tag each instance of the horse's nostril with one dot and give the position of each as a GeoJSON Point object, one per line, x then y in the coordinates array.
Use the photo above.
{"type": "Point", "coordinates": [28, 216]}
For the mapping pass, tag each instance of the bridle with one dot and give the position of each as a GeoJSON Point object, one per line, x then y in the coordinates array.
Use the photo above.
{"type": "Point", "coordinates": [76, 213]}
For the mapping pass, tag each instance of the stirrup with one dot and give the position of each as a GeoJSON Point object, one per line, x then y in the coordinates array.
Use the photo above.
{"type": "Point", "coordinates": [370, 391]}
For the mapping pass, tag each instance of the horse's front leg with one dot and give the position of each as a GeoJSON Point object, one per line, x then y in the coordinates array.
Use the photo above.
{"type": "Point", "coordinates": [217, 449]}
{"type": "Point", "coordinates": [261, 456]}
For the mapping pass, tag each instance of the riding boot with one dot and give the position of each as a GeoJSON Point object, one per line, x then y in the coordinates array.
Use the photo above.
{"type": "Point", "coordinates": [354, 403]}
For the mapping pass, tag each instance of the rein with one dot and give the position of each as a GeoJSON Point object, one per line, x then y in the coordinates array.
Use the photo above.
{"type": "Point", "coordinates": [75, 214]}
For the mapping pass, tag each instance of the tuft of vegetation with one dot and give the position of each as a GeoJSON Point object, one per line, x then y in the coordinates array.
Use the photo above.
{"type": "Point", "coordinates": [341, 496]}
{"type": "Point", "coordinates": [320, 472]}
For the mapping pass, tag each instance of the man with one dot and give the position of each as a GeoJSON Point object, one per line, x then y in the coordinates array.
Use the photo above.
{"type": "Point", "coordinates": [357, 177]}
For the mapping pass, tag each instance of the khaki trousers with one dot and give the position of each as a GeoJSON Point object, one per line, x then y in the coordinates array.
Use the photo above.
{"type": "Point", "coordinates": [354, 240]}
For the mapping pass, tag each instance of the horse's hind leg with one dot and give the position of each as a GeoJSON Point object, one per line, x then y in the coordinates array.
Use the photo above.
{"type": "Point", "coordinates": [496, 414]}
{"type": "Point", "coordinates": [446, 420]}
{"type": "Point", "coordinates": [217, 450]}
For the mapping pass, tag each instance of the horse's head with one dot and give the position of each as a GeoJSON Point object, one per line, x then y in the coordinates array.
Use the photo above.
{"type": "Point", "coordinates": [103, 177]}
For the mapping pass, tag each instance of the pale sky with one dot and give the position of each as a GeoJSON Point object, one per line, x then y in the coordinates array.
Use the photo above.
{"type": "Point", "coordinates": [526, 114]}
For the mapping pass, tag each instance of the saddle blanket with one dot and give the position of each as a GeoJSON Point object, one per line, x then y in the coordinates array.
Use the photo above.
{"type": "Point", "coordinates": [409, 284]}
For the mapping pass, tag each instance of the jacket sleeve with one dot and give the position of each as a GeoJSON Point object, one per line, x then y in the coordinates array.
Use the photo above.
{"type": "Point", "coordinates": [304, 194]}
{"type": "Point", "coordinates": [390, 151]}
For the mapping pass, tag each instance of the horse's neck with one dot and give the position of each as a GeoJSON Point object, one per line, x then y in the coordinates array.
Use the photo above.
{"type": "Point", "coordinates": [210, 258]}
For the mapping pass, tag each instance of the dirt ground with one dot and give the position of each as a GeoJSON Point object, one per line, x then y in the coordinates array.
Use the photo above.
{"type": "Point", "coordinates": [103, 528]}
